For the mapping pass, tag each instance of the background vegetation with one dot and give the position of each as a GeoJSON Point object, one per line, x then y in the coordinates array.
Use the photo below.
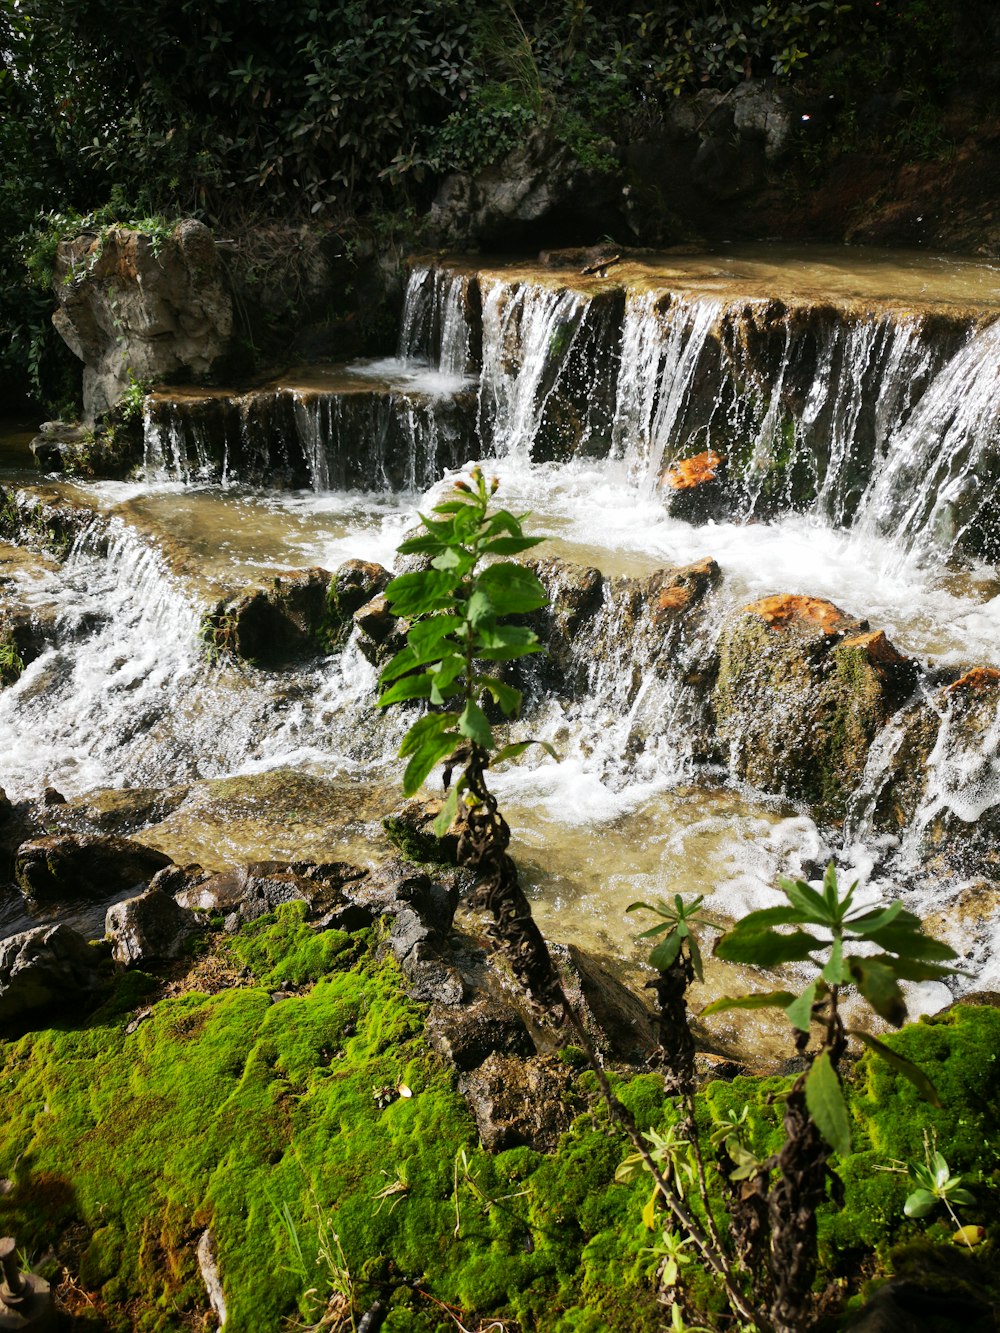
{"type": "Point", "coordinates": [346, 109]}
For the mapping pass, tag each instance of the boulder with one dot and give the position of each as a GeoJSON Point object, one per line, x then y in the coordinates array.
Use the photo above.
{"type": "Point", "coordinates": [151, 925]}
{"type": "Point", "coordinates": [694, 488]}
{"type": "Point", "coordinates": [137, 307]}
{"type": "Point", "coordinates": [380, 634]}
{"type": "Point", "coordinates": [68, 867]}
{"type": "Point", "coordinates": [802, 691]}
{"type": "Point", "coordinates": [281, 622]}
{"type": "Point", "coordinates": [45, 966]}
{"type": "Point", "coordinates": [354, 584]}
{"type": "Point", "coordinates": [537, 185]}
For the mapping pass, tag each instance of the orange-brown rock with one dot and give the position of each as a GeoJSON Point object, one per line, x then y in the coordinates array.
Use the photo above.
{"type": "Point", "coordinates": [787, 609]}
{"type": "Point", "coordinates": [685, 474]}
{"type": "Point", "coordinates": [976, 681]}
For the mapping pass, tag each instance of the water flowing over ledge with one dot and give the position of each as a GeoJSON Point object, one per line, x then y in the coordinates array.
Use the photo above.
{"type": "Point", "coordinates": [857, 442]}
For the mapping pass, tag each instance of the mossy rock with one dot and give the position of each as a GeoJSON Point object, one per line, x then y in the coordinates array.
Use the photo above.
{"type": "Point", "coordinates": [802, 691]}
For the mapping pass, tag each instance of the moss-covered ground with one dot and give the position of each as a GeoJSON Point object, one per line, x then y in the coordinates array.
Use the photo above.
{"type": "Point", "coordinates": [276, 1121]}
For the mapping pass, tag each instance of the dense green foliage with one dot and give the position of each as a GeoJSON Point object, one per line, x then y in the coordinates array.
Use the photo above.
{"type": "Point", "coordinates": [337, 110]}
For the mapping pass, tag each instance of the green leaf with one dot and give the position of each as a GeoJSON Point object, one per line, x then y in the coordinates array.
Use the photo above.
{"type": "Point", "coordinates": [513, 751]}
{"type": "Point", "coordinates": [825, 1100]}
{"type": "Point", "coordinates": [874, 920]}
{"type": "Point", "coordinates": [875, 978]}
{"type": "Point", "coordinates": [447, 813]}
{"type": "Point", "coordinates": [510, 545]}
{"type": "Point", "coordinates": [427, 742]}
{"type": "Point", "coordinates": [503, 643]}
{"type": "Point", "coordinates": [901, 1065]}
{"type": "Point", "coordinates": [919, 1203]}
{"type": "Point", "coordinates": [407, 687]}
{"type": "Point", "coordinates": [505, 695]}
{"type": "Point", "coordinates": [836, 972]}
{"type": "Point", "coordinates": [416, 594]}
{"type": "Point", "coordinates": [664, 955]}
{"type": "Point", "coordinates": [799, 1012]}
{"type": "Point", "coordinates": [455, 562]}
{"type": "Point", "coordinates": [511, 588]}
{"type": "Point", "coordinates": [447, 678]}
{"type": "Point", "coordinates": [830, 894]}
{"type": "Point", "coordinates": [805, 899]}
{"type": "Point", "coordinates": [766, 948]}
{"type": "Point", "coordinates": [961, 1197]}
{"type": "Point", "coordinates": [653, 931]}
{"type": "Point", "coordinates": [474, 724]}
{"type": "Point", "coordinates": [775, 999]}
{"type": "Point", "coordinates": [432, 631]}
{"type": "Point", "coordinates": [911, 943]}
{"type": "Point", "coordinates": [480, 610]}
{"type": "Point", "coordinates": [775, 916]}
{"type": "Point", "coordinates": [695, 951]}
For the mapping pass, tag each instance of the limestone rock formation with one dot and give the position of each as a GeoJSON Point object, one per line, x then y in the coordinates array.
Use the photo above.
{"type": "Point", "coordinates": [132, 305]}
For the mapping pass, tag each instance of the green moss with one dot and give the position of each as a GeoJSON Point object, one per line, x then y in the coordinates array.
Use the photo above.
{"type": "Point", "coordinates": [11, 661]}
{"type": "Point", "coordinates": [233, 1112]}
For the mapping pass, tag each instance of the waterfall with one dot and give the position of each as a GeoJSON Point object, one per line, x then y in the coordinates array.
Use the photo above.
{"type": "Point", "coordinates": [435, 327]}
{"type": "Point", "coordinates": [936, 484]}
{"type": "Point", "coordinates": [662, 352]}
{"type": "Point", "coordinates": [528, 333]}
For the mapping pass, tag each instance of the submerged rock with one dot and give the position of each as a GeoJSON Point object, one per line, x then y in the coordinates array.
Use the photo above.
{"type": "Point", "coordinates": [802, 691]}
{"type": "Point", "coordinates": [45, 966]}
{"type": "Point", "coordinates": [70, 866]}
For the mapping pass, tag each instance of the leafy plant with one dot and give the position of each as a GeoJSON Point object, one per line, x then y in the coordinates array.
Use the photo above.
{"type": "Point", "coordinates": [676, 927]}
{"type": "Point", "coordinates": [456, 611]}
{"type": "Point", "coordinates": [816, 1119]}
{"type": "Point", "coordinates": [935, 1184]}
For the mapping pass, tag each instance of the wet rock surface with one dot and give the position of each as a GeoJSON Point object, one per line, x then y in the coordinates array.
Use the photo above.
{"type": "Point", "coordinates": [937, 776]}
{"type": "Point", "coordinates": [150, 926]}
{"type": "Point", "coordinates": [276, 624]}
{"type": "Point", "coordinates": [132, 305]}
{"type": "Point", "coordinates": [66, 867]}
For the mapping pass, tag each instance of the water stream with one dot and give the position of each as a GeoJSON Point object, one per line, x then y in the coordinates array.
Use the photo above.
{"type": "Point", "coordinates": [863, 442]}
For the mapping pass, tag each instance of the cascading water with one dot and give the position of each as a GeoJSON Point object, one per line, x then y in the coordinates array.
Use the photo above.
{"type": "Point", "coordinates": [936, 485]}
{"type": "Point", "coordinates": [583, 400]}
